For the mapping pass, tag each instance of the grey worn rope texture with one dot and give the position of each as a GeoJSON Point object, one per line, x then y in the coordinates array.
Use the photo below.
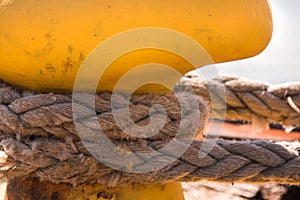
{"type": "Point", "coordinates": [51, 115]}
{"type": "Point", "coordinates": [39, 139]}
{"type": "Point", "coordinates": [249, 100]}
{"type": "Point", "coordinates": [247, 161]}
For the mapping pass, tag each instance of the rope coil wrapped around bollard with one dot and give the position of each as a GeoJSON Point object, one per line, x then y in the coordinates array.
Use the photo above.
{"type": "Point", "coordinates": [39, 138]}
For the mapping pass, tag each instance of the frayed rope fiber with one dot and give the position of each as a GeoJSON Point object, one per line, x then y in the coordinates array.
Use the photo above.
{"type": "Point", "coordinates": [39, 138]}
{"type": "Point", "coordinates": [247, 99]}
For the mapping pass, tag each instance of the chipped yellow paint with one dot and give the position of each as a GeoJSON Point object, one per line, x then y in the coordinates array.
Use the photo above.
{"type": "Point", "coordinates": [43, 44]}
{"type": "Point", "coordinates": [133, 192]}
{"type": "Point", "coordinates": [4, 3]}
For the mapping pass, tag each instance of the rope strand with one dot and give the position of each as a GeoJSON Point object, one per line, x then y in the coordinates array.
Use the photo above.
{"type": "Point", "coordinates": [246, 99]}
{"type": "Point", "coordinates": [39, 139]}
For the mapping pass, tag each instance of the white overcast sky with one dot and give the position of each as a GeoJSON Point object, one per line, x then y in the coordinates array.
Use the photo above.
{"type": "Point", "coordinates": [280, 61]}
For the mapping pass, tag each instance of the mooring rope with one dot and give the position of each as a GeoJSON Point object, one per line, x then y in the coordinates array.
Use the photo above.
{"type": "Point", "coordinates": [245, 99]}
{"type": "Point", "coordinates": [226, 161]}
{"type": "Point", "coordinates": [39, 137]}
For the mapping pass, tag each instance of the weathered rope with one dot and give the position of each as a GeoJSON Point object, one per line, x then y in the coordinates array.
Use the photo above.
{"type": "Point", "coordinates": [246, 99]}
{"type": "Point", "coordinates": [225, 161]}
{"type": "Point", "coordinates": [39, 139]}
{"type": "Point", "coordinates": [51, 114]}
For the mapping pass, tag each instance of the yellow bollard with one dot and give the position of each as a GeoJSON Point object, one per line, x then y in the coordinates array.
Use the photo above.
{"type": "Point", "coordinates": [43, 44]}
{"type": "Point", "coordinates": [34, 189]}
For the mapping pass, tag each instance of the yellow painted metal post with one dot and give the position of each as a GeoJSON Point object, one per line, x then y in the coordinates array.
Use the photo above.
{"type": "Point", "coordinates": [43, 44]}
{"type": "Point", "coordinates": [32, 188]}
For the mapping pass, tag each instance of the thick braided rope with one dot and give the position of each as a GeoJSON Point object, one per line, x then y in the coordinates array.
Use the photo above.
{"type": "Point", "coordinates": [50, 115]}
{"type": "Point", "coordinates": [224, 161]}
{"type": "Point", "coordinates": [247, 100]}
{"type": "Point", "coordinates": [38, 139]}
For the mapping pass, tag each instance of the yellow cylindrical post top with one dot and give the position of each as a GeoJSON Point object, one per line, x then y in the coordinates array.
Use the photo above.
{"type": "Point", "coordinates": [42, 43]}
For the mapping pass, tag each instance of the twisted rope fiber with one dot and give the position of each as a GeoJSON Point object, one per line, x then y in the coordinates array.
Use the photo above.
{"type": "Point", "coordinates": [39, 139]}
{"type": "Point", "coordinates": [248, 100]}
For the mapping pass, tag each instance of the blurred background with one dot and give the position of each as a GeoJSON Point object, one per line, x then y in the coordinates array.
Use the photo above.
{"type": "Point", "coordinates": [279, 62]}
